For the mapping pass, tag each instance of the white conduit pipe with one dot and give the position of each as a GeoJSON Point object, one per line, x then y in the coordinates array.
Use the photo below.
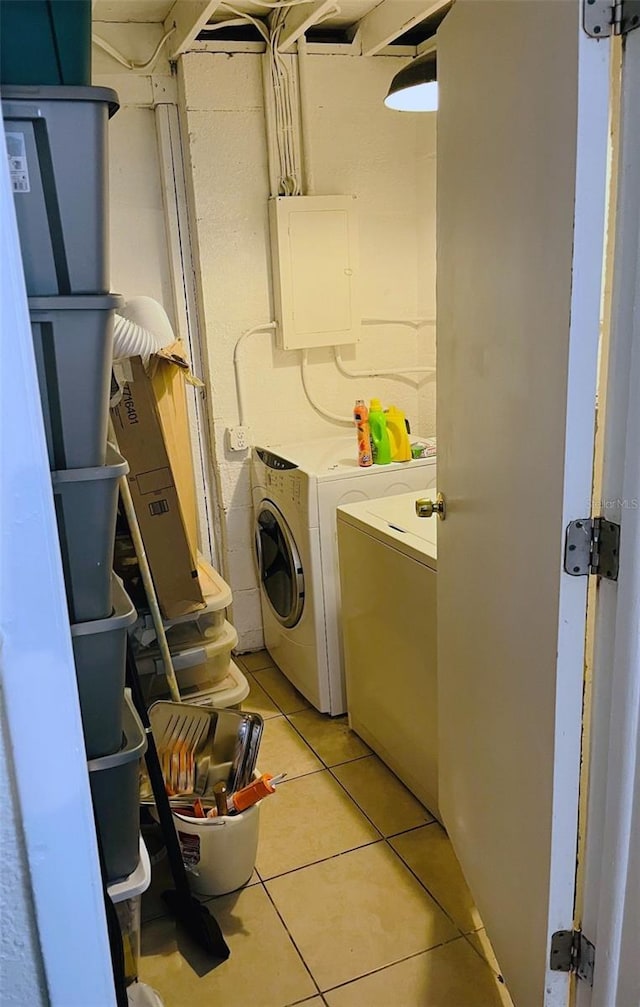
{"type": "Point", "coordinates": [270, 116]}
{"type": "Point", "coordinates": [265, 327]}
{"type": "Point", "coordinates": [334, 417]}
{"type": "Point", "coordinates": [303, 78]}
{"type": "Point", "coordinates": [400, 372]}
{"type": "Point", "coordinates": [413, 323]}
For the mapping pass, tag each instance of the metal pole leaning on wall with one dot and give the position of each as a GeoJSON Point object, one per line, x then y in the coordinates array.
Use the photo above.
{"type": "Point", "coordinates": [147, 580]}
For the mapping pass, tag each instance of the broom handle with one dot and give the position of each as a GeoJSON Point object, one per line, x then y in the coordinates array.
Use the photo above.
{"type": "Point", "coordinates": [156, 778]}
{"type": "Point", "coordinates": [147, 580]}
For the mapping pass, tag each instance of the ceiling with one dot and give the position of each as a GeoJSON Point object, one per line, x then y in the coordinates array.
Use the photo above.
{"type": "Point", "coordinates": [408, 21]}
{"type": "Point", "coordinates": [157, 10]}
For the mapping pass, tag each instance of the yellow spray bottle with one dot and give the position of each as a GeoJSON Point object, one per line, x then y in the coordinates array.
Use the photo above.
{"type": "Point", "coordinates": [398, 436]}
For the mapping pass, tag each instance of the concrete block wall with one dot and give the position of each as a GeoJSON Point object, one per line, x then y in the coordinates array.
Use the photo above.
{"type": "Point", "coordinates": [140, 206]}
{"type": "Point", "coordinates": [386, 160]}
{"type": "Point", "coordinates": [139, 254]}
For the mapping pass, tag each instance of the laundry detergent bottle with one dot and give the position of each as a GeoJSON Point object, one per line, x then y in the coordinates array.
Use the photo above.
{"type": "Point", "coordinates": [398, 436]}
{"type": "Point", "coordinates": [361, 418]}
{"type": "Point", "coordinates": [379, 434]}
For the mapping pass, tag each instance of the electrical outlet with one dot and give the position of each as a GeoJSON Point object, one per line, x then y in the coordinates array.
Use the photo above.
{"type": "Point", "coordinates": [239, 438]}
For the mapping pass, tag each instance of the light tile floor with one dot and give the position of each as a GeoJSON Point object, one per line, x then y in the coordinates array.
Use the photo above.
{"type": "Point", "coordinates": [357, 899]}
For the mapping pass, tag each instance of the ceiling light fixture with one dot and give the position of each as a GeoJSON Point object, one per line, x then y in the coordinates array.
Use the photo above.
{"type": "Point", "coordinates": [415, 87]}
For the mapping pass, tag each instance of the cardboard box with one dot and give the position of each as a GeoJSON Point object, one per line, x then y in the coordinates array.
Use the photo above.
{"type": "Point", "coordinates": [151, 425]}
{"type": "Point", "coordinates": [169, 372]}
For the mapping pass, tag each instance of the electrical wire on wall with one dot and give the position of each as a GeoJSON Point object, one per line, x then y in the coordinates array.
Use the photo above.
{"type": "Point", "coordinates": [131, 64]}
{"type": "Point", "coordinates": [286, 102]}
{"type": "Point", "coordinates": [282, 84]}
{"type": "Point", "coordinates": [280, 90]}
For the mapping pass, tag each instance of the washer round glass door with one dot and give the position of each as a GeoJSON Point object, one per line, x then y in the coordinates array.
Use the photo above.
{"type": "Point", "coordinates": [279, 565]}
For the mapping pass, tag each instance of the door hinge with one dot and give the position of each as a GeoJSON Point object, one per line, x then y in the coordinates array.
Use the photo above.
{"type": "Point", "coordinates": [601, 18]}
{"type": "Point", "coordinates": [572, 952]}
{"type": "Point", "coordinates": [592, 545]}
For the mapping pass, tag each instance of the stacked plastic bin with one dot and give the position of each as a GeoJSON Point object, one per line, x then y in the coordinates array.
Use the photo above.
{"type": "Point", "coordinates": [201, 644]}
{"type": "Point", "coordinates": [57, 146]}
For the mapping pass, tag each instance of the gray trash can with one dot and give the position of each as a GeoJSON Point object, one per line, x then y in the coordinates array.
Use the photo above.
{"type": "Point", "coordinates": [86, 503]}
{"type": "Point", "coordinates": [99, 650]}
{"type": "Point", "coordinates": [73, 343]}
{"type": "Point", "coordinates": [57, 145]}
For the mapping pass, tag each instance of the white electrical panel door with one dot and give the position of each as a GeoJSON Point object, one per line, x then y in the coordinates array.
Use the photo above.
{"type": "Point", "coordinates": [314, 250]}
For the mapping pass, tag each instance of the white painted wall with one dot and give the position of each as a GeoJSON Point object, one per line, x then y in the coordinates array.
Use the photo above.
{"type": "Point", "coordinates": [386, 160]}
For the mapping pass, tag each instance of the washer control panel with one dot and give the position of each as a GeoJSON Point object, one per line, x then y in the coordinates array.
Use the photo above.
{"type": "Point", "coordinates": [274, 461]}
{"type": "Point", "coordinates": [285, 486]}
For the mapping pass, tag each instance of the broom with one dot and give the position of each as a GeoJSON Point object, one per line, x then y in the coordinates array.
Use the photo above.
{"type": "Point", "coordinates": [183, 906]}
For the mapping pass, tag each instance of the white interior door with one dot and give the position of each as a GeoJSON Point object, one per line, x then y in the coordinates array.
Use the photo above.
{"type": "Point", "coordinates": [522, 156]}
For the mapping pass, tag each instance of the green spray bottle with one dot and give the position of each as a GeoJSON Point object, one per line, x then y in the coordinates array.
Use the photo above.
{"type": "Point", "coordinates": [379, 434]}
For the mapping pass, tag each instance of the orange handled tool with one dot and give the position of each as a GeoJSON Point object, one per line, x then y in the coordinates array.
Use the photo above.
{"type": "Point", "coordinates": [248, 796]}
{"type": "Point", "coordinates": [265, 785]}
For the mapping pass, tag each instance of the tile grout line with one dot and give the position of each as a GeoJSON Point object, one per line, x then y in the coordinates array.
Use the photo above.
{"type": "Point", "coordinates": [399, 961]}
{"type": "Point", "coordinates": [427, 890]}
{"type": "Point", "coordinates": [482, 957]}
{"type": "Point", "coordinates": [290, 936]}
{"type": "Point", "coordinates": [271, 697]}
{"type": "Point", "coordinates": [412, 828]}
{"type": "Point", "coordinates": [324, 765]}
{"type": "Point", "coordinates": [322, 860]}
{"type": "Point", "coordinates": [459, 935]}
{"type": "Point", "coordinates": [385, 839]}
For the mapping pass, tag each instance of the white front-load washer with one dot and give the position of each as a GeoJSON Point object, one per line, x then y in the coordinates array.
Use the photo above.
{"type": "Point", "coordinates": [297, 489]}
{"type": "Point", "coordinates": [287, 549]}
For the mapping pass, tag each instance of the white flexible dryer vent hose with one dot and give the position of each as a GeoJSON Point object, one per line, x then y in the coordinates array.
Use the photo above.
{"type": "Point", "coordinates": [131, 340]}
{"type": "Point", "coordinates": [141, 328]}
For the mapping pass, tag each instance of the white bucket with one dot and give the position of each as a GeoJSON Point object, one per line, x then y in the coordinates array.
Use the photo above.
{"type": "Point", "coordinates": [219, 857]}
{"type": "Point", "coordinates": [219, 853]}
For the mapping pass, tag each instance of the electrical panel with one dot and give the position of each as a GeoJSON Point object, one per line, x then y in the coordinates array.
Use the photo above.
{"type": "Point", "coordinates": [315, 270]}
